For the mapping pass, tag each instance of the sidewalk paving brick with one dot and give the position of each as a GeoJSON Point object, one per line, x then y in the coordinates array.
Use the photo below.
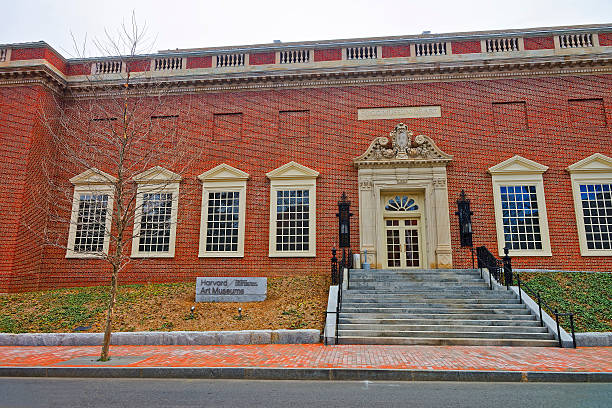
{"type": "Point", "coordinates": [588, 359]}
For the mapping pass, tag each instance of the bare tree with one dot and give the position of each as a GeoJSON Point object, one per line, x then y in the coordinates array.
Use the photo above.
{"type": "Point", "coordinates": [114, 125]}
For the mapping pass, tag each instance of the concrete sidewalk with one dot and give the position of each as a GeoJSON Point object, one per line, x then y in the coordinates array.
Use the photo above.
{"type": "Point", "coordinates": [316, 362]}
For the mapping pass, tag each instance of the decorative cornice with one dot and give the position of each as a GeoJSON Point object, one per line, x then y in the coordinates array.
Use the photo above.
{"type": "Point", "coordinates": [592, 64]}
{"type": "Point", "coordinates": [402, 148]}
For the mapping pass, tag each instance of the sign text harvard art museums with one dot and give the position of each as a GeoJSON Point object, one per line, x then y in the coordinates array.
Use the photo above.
{"type": "Point", "coordinates": [231, 289]}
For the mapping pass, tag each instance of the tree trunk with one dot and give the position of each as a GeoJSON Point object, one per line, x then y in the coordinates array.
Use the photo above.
{"type": "Point", "coordinates": [104, 356]}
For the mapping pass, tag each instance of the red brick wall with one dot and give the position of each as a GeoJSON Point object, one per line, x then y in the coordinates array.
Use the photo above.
{"type": "Point", "coordinates": [539, 43]}
{"type": "Point", "coordinates": [24, 143]}
{"type": "Point", "coordinates": [199, 62]}
{"type": "Point", "coordinates": [465, 47]}
{"type": "Point", "coordinates": [467, 130]}
{"type": "Point", "coordinates": [78, 69]}
{"type": "Point", "coordinates": [605, 39]}
{"type": "Point", "coordinates": [333, 54]}
{"type": "Point", "coordinates": [395, 51]}
{"type": "Point", "coordinates": [262, 58]}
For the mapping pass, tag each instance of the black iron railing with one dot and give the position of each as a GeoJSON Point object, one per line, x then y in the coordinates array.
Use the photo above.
{"type": "Point", "coordinates": [337, 278]}
{"type": "Point", "coordinates": [554, 311]}
{"type": "Point", "coordinates": [501, 272]}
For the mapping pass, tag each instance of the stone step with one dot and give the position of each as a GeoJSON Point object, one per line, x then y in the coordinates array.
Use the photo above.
{"type": "Point", "coordinates": [423, 291]}
{"type": "Point", "coordinates": [414, 271]}
{"type": "Point", "coordinates": [443, 327]}
{"type": "Point", "coordinates": [437, 310]}
{"type": "Point", "coordinates": [412, 287]}
{"type": "Point", "coordinates": [357, 307]}
{"type": "Point", "coordinates": [443, 316]}
{"type": "Point", "coordinates": [444, 281]}
{"type": "Point", "coordinates": [445, 334]}
{"type": "Point", "coordinates": [487, 301]}
{"type": "Point", "coordinates": [448, 341]}
{"type": "Point", "coordinates": [484, 294]}
{"type": "Point", "coordinates": [442, 322]}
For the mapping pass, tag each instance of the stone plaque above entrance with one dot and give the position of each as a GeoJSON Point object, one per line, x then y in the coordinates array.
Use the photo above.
{"type": "Point", "coordinates": [401, 112]}
{"type": "Point", "coordinates": [231, 289]}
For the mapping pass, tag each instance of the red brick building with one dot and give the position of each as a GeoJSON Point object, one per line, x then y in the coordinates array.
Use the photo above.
{"type": "Point", "coordinates": [518, 119]}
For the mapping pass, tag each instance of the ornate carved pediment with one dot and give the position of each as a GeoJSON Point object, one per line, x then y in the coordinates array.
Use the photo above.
{"type": "Point", "coordinates": [402, 148]}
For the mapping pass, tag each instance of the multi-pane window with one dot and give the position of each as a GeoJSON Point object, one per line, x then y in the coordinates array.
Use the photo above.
{"type": "Point", "coordinates": [520, 207]}
{"type": "Point", "coordinates": [597, 215]}
{"type": "Point", "coordinates": [292, 220]}
{"type": "Point", "coordinates": [222, 232]}
{"type": "Point", "coordinates": [91, 223]}
{"type": "Point", "coordinates": [155, 222]}
{"type": "Point", "coordinates": [521, 217]}
{"type": "Point", "coordinates": [90, 220]}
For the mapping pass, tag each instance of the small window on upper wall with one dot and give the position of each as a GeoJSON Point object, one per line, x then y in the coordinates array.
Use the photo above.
{"type": "Point", "coordinates": [92, 208]}
{"type": "Point", "coordinates": [587, 112]}
{"type": "Point", "coordinates": [592, 190]}
{"type": "Point", "coordinates": [520, 208]}
{"type": "Point", "coordinates": [292, 211]}
{"type": "Point", "coordinates": [223, 212]}
{"type": "Point", "coordinates": [156, 213]}
{"type": "Point", "coordinates": [510, 115]}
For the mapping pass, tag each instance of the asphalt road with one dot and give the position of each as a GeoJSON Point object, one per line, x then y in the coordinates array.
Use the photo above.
{"type": "Point", "coordinates": [70, 392]}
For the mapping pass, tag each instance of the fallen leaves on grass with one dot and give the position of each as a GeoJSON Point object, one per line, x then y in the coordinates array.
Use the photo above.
{"type": "Point", "coordinates": [291, 303]}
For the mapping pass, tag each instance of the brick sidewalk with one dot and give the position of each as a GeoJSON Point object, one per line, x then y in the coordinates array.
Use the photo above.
{"type": "Point", "coordinates": [591, 359]}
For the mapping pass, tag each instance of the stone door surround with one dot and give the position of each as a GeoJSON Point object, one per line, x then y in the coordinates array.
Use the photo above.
{"type": "Point", "coordinates": [404, 163]}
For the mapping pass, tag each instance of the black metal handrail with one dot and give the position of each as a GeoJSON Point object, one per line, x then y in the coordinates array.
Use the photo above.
{"type": "Point", "coordinates": [337, 278]}
{"type": "Point", "coordinates": [501, 271]}
{"type": "Point", "coordinates": [554, 311]}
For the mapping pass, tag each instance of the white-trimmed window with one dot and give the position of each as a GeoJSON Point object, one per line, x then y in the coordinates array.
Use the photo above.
{"type": "Point", "coordinates": [520, 207]}
{"type": "Point", "coordinates": [90, 221]}
{"type": "Point", "coordinates": [223, 212]}
{"type": "Point", "coordinates": [156, 213]}
{"type": "Point", "coordinates": [592, 190]}
{"type": "Point", "coordinates": [292, 211]}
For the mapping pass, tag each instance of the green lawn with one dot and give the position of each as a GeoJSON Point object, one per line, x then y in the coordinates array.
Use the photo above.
{"type": "Point", "coordinates": [587, 295]}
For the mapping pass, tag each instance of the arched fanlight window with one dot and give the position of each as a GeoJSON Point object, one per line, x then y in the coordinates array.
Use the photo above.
{"type": "Point", "coordinates": [403, 203]}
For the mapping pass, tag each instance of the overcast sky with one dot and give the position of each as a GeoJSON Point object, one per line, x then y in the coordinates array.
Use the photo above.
{"type": "Point", "coordinates": [204, 23]}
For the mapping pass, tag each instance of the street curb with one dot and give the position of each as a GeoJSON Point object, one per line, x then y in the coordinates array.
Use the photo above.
{"type": "Point", "coordinates": [335, 374]}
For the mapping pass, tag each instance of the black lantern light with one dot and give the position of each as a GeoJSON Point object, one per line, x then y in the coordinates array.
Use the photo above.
{"type": "Point", "coordinates": [344, 222]}
{"type": "Point", "coordinates": [465, 220]}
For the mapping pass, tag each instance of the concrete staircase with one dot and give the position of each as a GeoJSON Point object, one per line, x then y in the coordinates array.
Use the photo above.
{"type": "Point", "coordinates": [434, 307]}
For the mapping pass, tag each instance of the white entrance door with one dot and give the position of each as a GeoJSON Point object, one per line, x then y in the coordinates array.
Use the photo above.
{"type": "Point", "coordinates": [403, 243]}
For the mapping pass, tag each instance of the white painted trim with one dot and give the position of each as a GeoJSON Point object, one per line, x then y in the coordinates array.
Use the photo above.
{"type": "Point", "coordinates": [91, 189]}
{"type": "Point", "coordinates": [594, 169]}
{"type": "Point", "coordinates": [287, 177]}
{"type": "Point", "coordinates": [218, 179]}
{"type": "Point", "coordinates": [153, 188]}
{"type": "Point", "coordinates": [513, 172]}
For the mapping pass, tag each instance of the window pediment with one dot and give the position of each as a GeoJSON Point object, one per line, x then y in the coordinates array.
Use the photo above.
{"type": "Point", "coordinates": [595, 163]}
{"type": "Point", "coordinates": [223, 172]}
{"type": "Point", "coordinates": [517, 165]}
{"type": "Point", "coordinates": [291, 171]}
{"type": "Point", "coordinates": [155, 175]}
{"type": "Point", "coordinates": [93, 176]}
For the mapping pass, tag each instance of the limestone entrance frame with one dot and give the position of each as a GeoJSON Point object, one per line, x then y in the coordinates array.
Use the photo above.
{"type": "Point", "coordinates": [404, 163]}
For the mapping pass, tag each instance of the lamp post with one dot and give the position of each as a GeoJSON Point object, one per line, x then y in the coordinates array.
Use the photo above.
{"type": "Point", "coordinates": [465, 223]}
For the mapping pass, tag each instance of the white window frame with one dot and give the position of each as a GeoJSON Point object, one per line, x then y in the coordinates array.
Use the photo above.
{"type": "Point", "coordinates": [155, 180]}
{"type": "Point", "coordinates": [293, 176]}
{"type": "Point", "coordinates": [223, 178]}
{"type": "Point", "coordinates": [519, 171]}
{"type": "Point", "coordinates": [595, 169]}
{"type": "Point", "coordinates": [91, 181]}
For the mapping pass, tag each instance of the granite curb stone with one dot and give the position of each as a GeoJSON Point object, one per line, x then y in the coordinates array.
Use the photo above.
{"type": "Point", "coordinates": [264, 373]}
{"type": "Point", "coordinates": [186, 338]}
